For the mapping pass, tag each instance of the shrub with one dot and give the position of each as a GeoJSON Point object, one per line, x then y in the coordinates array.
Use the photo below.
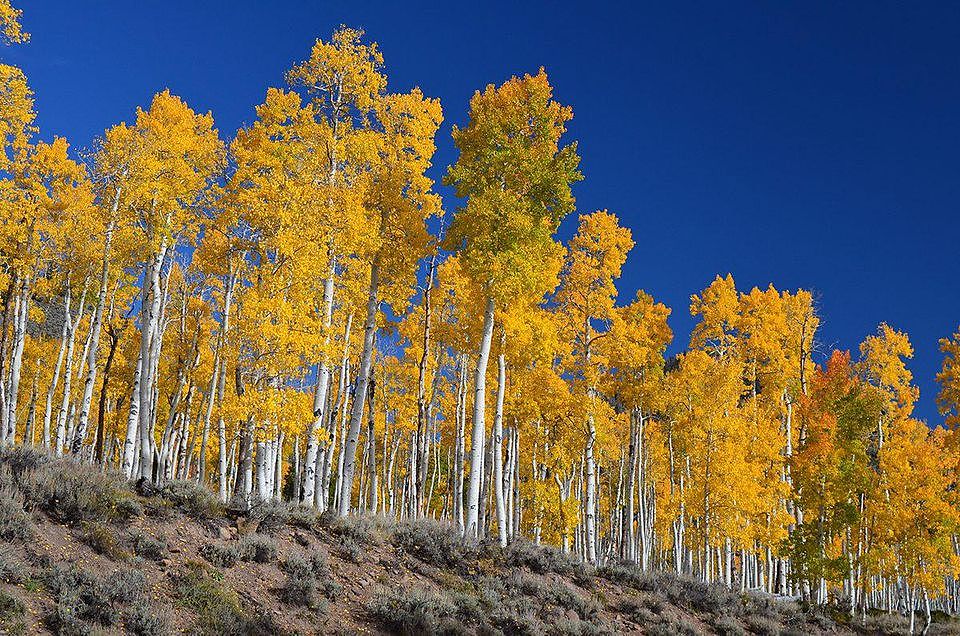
{"type": "Point", "coordinates": [22, 459]}
{"type": "Point", "coordinates": [542, 559]}
{"type": "Point", "coordinates": [638, 611]}
{"type": "Point", "coordinates": [142, 620]}
{"type": "Point", "coordinates": [351, 550]}
{"type": "Point", "coordinates": [437, 543]}
{"type": "Point", "coordinates": [728, 626]}
{"type": "Point", "coordinates": [12, 610]}
{"type": "Point", "coordinates": [12, 569]}
{"type": "Point", "coordinates": [15, 523]}
{"type": "Point", "coordinates": [364, 529]}
{"type": "Point", "coordinates": [763, 626]}
{"type": "Point", "coordinates": [564, 597]}
{"type": "Point", "coordinates": [300, 586]}
{"type": "Point", "coordinates": [306, 577]}
{"type": "Point", "coordinates": [102, 540]}
{"type": "Point", "coordinates": [126, 586]}
{"type": "Point", "coordinates": [710, 598]}
{"type": "Point", "coordinates": [222, 555]}
{"type": "Point", "coordinates": [528, 584]}
{"type": "Point", "coordinates": [193, 498]}
{"type": "Point", "coordinates": [258, 548]}
{"type": "Point", "coordinates": [272, 515]}
{"type": "Point", "coordinates": [414, 613]}
{"type": "Point", "coordinates": [82, 598]}
{"type": "Point", "coordinates": [73, 492]}
{"type": "Point", "coordinates": [574, 627]}
{"type": "Point", "coordinates": [216, 607]}
{"type": "Point", "coordinates": [628, 574]}
{"type": "Point", "coordinates": [883, 623]}
{"type": "Point", "coordinates": [681, 627]}
{"type": "Point", "coordinates": [147, 547]}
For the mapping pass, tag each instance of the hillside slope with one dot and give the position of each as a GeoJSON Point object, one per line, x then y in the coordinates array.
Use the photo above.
{"type": "Point", "coordinates": [84, 553]}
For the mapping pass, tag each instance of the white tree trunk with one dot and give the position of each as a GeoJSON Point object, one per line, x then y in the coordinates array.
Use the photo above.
{"type": "Point", "coordinates": [149, 351]}
{"type": "Point", "coordinates": [320, 395]}
{"type": "Point", "coordinates": [133, 421]}
{"type": "Point", "coordinates": [472, 530]}
{"type": "Point", "coordinates": [498, 449]}
{"type": "Point", "coordinates": [16, 360]}
{"type": "Point", "coordinates": [51, 392]}
{"type": "Point", "coordinates": [68, 375]}
{"type": "Point", "coordinates": [360, 394]}
{"type": "Point", "coordinates": [95, 326]}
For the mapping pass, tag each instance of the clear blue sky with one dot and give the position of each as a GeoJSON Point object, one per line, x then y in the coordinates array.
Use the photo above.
{"type": "Point", "coordinates": [806, 144]}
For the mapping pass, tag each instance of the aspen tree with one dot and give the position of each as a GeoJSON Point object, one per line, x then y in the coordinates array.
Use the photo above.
{"type": "Point", "coordinates": [516, 178]}
{"type": "Point", "coordinates": [174, 153]}
{"type": "Point", "coordinates": [595, 258]}
{"type": "Point", "coordinates": [11, 31]}
{"type": "Point", "coordinates": [948, 399]}
{"type": "Point", "coordinates": [343, 79]}
{"type": "Point", "coordinates": [401, 200]}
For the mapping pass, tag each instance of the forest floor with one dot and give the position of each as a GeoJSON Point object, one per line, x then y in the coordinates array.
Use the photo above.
{"type": "Point", "coordinates": [82, 552]}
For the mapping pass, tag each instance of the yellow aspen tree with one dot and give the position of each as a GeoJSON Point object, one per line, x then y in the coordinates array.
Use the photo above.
{"type": "Point", "coordinates": [882, 365]}
{"type": "Point", "coordinates": [918, 516]}
{"type": "Point", "coordinates": [172, 153]}
{"type": "Point", "coordinates": [11, 31]}
{"type": "Point", "coordinates": [638, 337]}
{"type": "Point", "coordinates": [948, 399]}
{"type": "Point", "coordinates": [400, 200]}
{"type": "Point", "coordinates": [595, 258]}
{"type": "Point", "coordinates": [55, 200]}
{"type": "Point", "coordinates": [343, 79]}
{"type": "Point", "coordinates": [516, 179]}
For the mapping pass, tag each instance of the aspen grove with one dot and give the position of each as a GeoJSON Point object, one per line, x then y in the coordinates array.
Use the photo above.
{"type": "Point", "coordinates": [292, 314]}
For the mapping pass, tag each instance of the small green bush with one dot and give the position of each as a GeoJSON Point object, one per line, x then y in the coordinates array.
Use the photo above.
{"type": "Point", "coordinates": [363, 529]}
{"type": "Point", "coordinates": [257, 548]}
{"type": "Point", "coordinates": [728, 626]}
{"type": "Point", "coordinates": [305, 577]}
{"type": "Point", "coordinates": [216, 607]}
{"type": "Point", "coordinates": [15, 523]}
{"type": "Point", "coordinates": [143, 619]}
{"type": "Point", "coordinates": [436, 543]}
{"type": "Point", "coordinates": [414, 613]}
{"type": "Point", "coordinates": [74, 492]}
{"type": "Point", "coordinates": [12, 610]}
{"type": "Point", "coordinates": [193, 498]}
{"type": "Point", "coordinates": [102, 540]}
{"type": "Point", "coordinates": [146, 546]}
{"type": "Point", "coordinates": [84, 600]}
{"type": "Point", "coordinates": [272, 515]}
{"type": "Point", "coordinates": [222, 555]}
{"type": "Point", "coordinates": [22, 459]}
{"type": "Point", "coordinates": [351, 550]}
{"type": "Point", "coordinates": [12, 569]}
{"type": "Point", "coordinates": [542, 559]}
{"type": "Point", "coordinates": [883, 623]}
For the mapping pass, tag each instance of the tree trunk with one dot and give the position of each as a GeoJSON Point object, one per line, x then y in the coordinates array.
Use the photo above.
{"type": "Point", "coordinates": [51, 392]}
{"type": "Point", "coordinates": [498, 446]}
{"type": "Point", "coordinates": [68, 375]}
{"type": "Point", "coordinates": [149, 350]}
{"type": "Point", "coordinates": [21, 316]}
{"type": "Point", "coordinates": [472, 529]}
{"type": "Point", "coordinates": [102, 407]}
{"type": "Point", "coordinates": [95, 326]}
{"type": "Point", "coordinates": [320, 394]}
{"type": "Point", "coordinates": [360, 393]}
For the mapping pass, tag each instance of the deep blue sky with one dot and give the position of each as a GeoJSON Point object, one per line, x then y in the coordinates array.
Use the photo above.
{"type": "Point", "coordinates": [806, 144]}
